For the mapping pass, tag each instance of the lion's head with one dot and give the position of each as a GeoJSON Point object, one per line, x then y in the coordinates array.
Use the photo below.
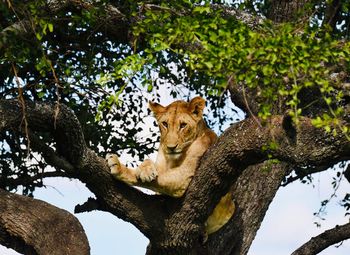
{"type": "Point", "coordinates": [180, 124]}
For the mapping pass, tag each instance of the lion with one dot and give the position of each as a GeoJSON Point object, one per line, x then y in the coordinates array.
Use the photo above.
{"type": "Point", "coordinates": [184, 138]}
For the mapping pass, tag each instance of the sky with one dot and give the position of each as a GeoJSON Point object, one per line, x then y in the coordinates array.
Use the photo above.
{"type": "Point", "coordinates": [288, 224]}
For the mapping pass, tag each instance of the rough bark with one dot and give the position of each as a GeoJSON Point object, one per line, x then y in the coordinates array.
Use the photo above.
{"type": "Point", "coordinates": [239, 147]}
{"type": "Point", "coordinates": [289, 10]}
{"type": "Point", "coordinates": [32, 226]}
{"type": "Point", "coordinates": [253, 192]}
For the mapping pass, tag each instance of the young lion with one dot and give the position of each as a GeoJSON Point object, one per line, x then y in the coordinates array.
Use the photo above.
{"type": "Point", "coordinates": [184, 139]}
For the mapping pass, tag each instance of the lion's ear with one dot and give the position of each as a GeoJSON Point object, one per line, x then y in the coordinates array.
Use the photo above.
{"type": "Point", "coordinates": [196, 106]}
{"type": "Point", "coordinates": [156, 108]}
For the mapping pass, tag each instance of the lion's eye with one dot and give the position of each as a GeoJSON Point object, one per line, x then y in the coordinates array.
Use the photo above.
{"type": "Point", "coordinates": [165, 124]}
{"type": "Point", "coordinates": [183, 125]}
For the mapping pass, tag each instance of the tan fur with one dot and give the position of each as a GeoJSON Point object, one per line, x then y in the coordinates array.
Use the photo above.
{"type": "Point", "coordinates": [184, 139]}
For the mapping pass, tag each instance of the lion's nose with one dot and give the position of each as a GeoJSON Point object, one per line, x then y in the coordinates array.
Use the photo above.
{"type": "Point", "coordinates": [171, 147]}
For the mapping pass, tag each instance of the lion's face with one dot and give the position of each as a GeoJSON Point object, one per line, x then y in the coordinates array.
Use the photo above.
{"type": "Point", "coordinates": [178, 123]}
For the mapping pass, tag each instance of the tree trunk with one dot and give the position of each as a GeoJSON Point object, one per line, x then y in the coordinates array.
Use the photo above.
{"type": "Point", "coordinates": [253, 192]}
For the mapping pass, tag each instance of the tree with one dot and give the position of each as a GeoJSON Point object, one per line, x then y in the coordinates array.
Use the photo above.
{"type": "Point", "coordinates": [66, 66]}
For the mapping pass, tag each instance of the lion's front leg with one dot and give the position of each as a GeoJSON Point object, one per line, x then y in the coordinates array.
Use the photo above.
{"type": "Point", "coordinates": [113, 164]}
{"type": "Point", "coordinates": [120, 171]}
{"type": "Point", "coordinates": [144, 174]}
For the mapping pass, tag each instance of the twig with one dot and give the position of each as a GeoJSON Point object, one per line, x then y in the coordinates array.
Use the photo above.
{"type": "Point", "coordinates": [57, 105]}
{"type": "Point", "coordinates": [23, 105]}
{"type": "Point", "coordinates": [50, 155]}
{"type": "Point", "coordinates": [250, 111]}
{"type": "Point", "coordinates": [325, 202]}
{"type": "Point", "coordinates": [31, 179]}
{"type": "Point", "coordinates": [304, 173]}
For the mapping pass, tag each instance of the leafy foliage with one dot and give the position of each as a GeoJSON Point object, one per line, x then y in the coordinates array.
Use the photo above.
{"type": "Point", "coordinates": [280, 62]}
{"type": "Point", "coordinates": [64, 58]}
{"type": "Point", "coordinates": [106, 70]}
{"type": "Point", "coordinates": [61, 61]}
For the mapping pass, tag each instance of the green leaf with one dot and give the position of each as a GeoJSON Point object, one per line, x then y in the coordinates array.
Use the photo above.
{"type": "Point", "coordinates": [50, 26]}
{"type": "Point", "coordinates": [41, 94]}
{"type": "Point", "coordinates": [38, 36]}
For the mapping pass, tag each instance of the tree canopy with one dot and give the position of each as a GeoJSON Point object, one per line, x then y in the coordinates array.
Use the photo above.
{"type": "Point", "coordinates": [75, 78]}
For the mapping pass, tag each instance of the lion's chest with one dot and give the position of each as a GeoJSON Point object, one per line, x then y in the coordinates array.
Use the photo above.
{"type": "Point", "coordinates": [175, 182]}
{"type": "Point", "coordinates": [175, 178]}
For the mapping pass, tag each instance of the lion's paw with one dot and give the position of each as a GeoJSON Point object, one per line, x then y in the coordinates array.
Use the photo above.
{"type": "Point", "coordinates": [147, 171]}
{"type": "Point", "coordinates": [113, 163]}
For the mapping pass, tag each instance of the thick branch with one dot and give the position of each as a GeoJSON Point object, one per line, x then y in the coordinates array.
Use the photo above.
{"type": "Point", "coordinates": [117, 198]}
{"type": "Point", "coordinates": [250, 20]}
{"type": "Point", "coordinates": [324, 240]}
{"type": "Point", "coordinates": [24, 224]}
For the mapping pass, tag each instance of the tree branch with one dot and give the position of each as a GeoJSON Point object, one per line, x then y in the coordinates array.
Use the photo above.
{"type": "Point", "coordinates": [90, 205]}
{"type": "Point", "coordinates": [347, 173]}
{"type": "Point", "coordinates": [332, 12]}
{"type": "Point", "coordinates": [14, 182]}
{"type": "Point", "coordinates": [21, 28]}
{"type": "Point", "coordinates": [49, 154]}
{"type": "Point", "coordinates": [24, 224]}
{"type": "Point", "coordinates": [289, 11]}
{"type": "Point", "coordinates": [324, 240]}
{"type": "Point", "coordinates": [115, 197]}
{"type": "Point", "coordinates": [301, 173]}
{"type": "Point", "coordinates": [250, 20]}
{"type": "Point", "coordinates": [246, 100]}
